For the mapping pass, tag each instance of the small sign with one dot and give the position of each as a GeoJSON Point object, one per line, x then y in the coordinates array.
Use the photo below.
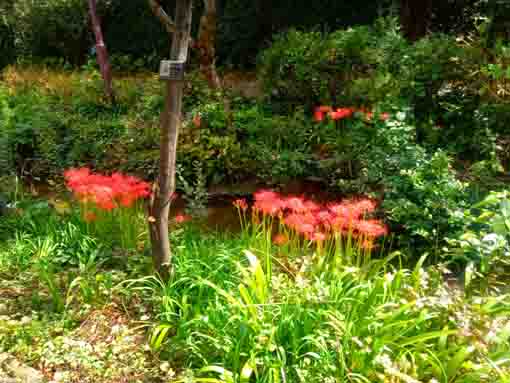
{"type": "Point", "coordinates": [171, 70]}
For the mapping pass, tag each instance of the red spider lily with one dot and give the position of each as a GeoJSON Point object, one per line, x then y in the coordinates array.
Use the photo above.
{"type": "Point", "coordinates": [241, 204]}
{"type": "Point", "coordinates": [197, 121]}
{"type": "Point", "coordinates": [320, 111]}
{"type": "Point", "coordinates": [90, 217]}
{"type": "Point", "coordinates": [305, 228]}
{"type": "Point", "coordinates": [342, 113]}
{"type": "Point", "coordinates": [268, 202]}
{"type": "Point", "coordinates": [181, 218]}
{"type": "Point", "coordinates": [371, 228]}
{"type": "Point", "coordinates": [314, 221]}
{"type": "Point", "coordinates": [384, 116]}
{"type": "Point", "coordinates": [319, 237]}
{"type": "Point", "coordinates": [324, 109]}
{"type": "Point", "coordinates": [364, 206]}
{"type": "Point", "coordinates": [295, 204]}
{"type": "Point", "coordinates": [318, 116]}
{"type": "Point", "coordinates": [266, 195]}
{"type": "Point", "coordinates": [368, 244]}
{"type": "Point", "coordinates": [280, 239]}
{"type": "Point", "coordinates": [107, 192]}
{"type": "Point", "coordinates": [345, 210]}
{"type": "Point", "coordinates": [302, 223]}
{"type": "Point", "coordinates": [269, 207]}
{"type": "Point", "coordinates": [326, 218]}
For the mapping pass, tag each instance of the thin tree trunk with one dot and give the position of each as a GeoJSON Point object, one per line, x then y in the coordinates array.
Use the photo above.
{"type": "Point", "coordinates": [101, 51]}
{"type": "Point", "coordinates": [264, 16]}
{"type": "Point", "coordinates": [170, 125]}
{"type": "Point", "coordinates": [206, 44]}
{"type": "Point", "coordinates": [415, 17]}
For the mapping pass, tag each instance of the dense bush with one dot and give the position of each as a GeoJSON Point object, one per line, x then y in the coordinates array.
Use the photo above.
{"type": "Point", "coordinates": [6, 36]}
{"type": "Point", "coordinates": [56, 28]}
{"type": "Point", "coordinates": [485, 238]}
{"type": "Point", "coordinates": [456, 108]}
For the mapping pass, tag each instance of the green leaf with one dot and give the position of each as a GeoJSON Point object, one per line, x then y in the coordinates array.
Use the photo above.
{"type": "Point", "coordinates": [455, 363]}
{"type": "Point", "coordinates": [158, 336]}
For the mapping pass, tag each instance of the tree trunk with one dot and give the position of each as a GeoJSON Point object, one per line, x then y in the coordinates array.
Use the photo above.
{"type": "Point", "coordinates": [414, 17]}
{"type": "Point", "coordinates": [101, 52]}
{"type": "Point", "coordinates": [206, 44]}
{"type": "Point", "coordinates": [170, 125]}
{"type": "Point", "coordinates": [263, 9]}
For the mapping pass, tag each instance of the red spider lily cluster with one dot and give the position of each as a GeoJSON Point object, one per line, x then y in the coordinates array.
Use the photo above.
{"type": "Point", "coordinates": [321, 112]}
{"type": "Point", "coordinates": [318, 222]}
{"type": "Point", "coordinates": [105, 192]}
{"type": "Point", "coordinates": [182, 218]}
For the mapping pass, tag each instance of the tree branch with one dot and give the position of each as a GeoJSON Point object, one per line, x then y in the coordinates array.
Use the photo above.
{"type": "Point", "coordinates": [160, 13]}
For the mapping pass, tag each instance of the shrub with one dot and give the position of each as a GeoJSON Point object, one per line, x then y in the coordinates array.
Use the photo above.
{"type": "Point", "coordinates": [6, 35]}
{"type": "Point", "coordinates": [312, 67]}
{"type": "Point", "coordinates": [484, 243]}
{"type": "Point", "coordinates": [420, 191]}
{"type": "Point", "coordinates": [56, 28]}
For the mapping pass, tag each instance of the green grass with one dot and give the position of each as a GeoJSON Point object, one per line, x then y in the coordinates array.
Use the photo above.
{"type": "Point", "coordinates": [222, 319]}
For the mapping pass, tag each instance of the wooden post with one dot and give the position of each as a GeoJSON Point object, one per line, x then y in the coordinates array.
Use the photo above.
{"type": "Point", "coordinates": [101, 52]}
{"type": "Point", "coordinates": [170, 125]}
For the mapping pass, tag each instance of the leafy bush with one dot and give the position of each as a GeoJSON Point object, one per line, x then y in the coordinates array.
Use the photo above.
{"type": "Point", "coordinates": [6, 36]}
{"type": "Point", "coordinates": [56, 28]}
{"type": "Point", "coordinates": [42, 137]}
{"type": "Point", "coordinates": [311, 67]}
{"type": "Point", "coordinates": [486, 235]}
{"type": "Point", "coordinates": [420, 191]}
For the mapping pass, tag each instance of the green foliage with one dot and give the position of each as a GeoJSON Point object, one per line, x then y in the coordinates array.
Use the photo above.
{"type": "Point", "coordinates": [41, 26]}
{"type": "Point", "coordinates": [229, 323]}
{"type": "Point", "coordinates": [437, 76]}
{"type": "Point", "coordinates": [221, 318]}
{"type": "Point", "coordinates": [42, 134]}
{"type": "Point", "coordinates": [425, 200]}
{"type": "Point", "coordinates": [6, 36]}
{"type": "Point", "coordinates": [419, 189]}
{"type": "Point", "coordinates": [312, 67]}
{"type": "Point", "coordinates": [486, 235]}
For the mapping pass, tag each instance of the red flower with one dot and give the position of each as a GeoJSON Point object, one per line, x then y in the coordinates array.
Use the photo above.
{"type": "Point", "coordinates": [181, 218]}
{"type": "Point", "coordinates": [107, 192]}
{"type": "Point", "coordinates": [325, 217]}
{"type": "Point", "coordinates": [325, 109]}
{"type": "Point", "coordinates": [384, 116]}
{"type": "Point", "coordinates": [368, 244]}
{"type": "Point", "coordinates": [266, 195]}
{"type": "Point", "coordinates": [269, 207]}
{"type": "Point", "coordinates": [318, 116]}
{"type": "Point", "coordinates": [364, 206]}
{"type": "Point", "coordinates": [295, 204]}
{"type": "Point", "coordinates": [241, 204]}
{"type": "Point", "coordinates": [280, 239]}
{"type": "Point", "coordinates": [319, 237]}
{"type": "Point", "coordinates": [305, 228]}
{"type": "Point", "coordinates": [197, 120]}
{"type": "Point", "coordinates": [371, 228]}
{"type": "Point", "coordinates": [302, 223]}
{"type": "Point", "coordinates": [268, 202]}
{"type": "Point", "coordinates": [90, 217]}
